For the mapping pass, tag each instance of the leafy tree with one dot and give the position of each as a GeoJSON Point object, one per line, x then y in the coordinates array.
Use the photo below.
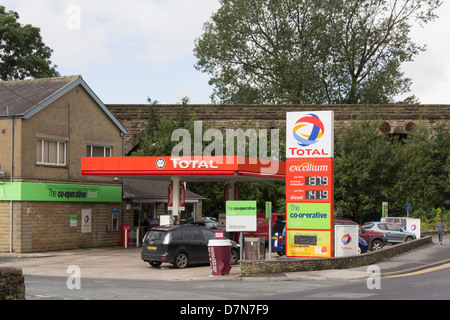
{"type": "Point", "coordinates": [22, 52]}
{"type": "Point", "coordinates": [310, 51]}
{"type": "Point", "coordinates": [371, 167]}
{"type": "Point", "coordinates": [423, 179]}
{"type": "Point", "coordinates": [366, 166]}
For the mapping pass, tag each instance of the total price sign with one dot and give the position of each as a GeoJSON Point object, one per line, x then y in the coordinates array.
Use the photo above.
{"type": "Point", "coordinates": [309, 184]}
{"type": "Point", "coordinates": [309, 180]}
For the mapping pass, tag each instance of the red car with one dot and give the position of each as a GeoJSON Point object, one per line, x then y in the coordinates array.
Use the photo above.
{"type": "Point", "coordinates": [375, 240]}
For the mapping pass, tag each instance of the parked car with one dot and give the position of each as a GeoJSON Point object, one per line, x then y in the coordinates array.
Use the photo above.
{"type": "Point", "coordinates": [181, 245]}
{"type": "Point", "coordinates": [210, 223]}
{"type": "Point", "coordinates": [374, 239]}
{"type": "Point", "coordinates": [279, 237]}
{"type": "Point", "coordinates": [362, 245]}
{"type": "Point", "coordinates": [262, 227]}
{"type": "Point", "coordinates": [393, 233]}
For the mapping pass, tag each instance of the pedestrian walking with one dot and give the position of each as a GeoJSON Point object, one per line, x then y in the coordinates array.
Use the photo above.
{"type": "Point", "coordinates": [440, 227]}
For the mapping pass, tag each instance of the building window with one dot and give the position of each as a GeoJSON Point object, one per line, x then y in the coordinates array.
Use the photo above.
{"type": "Point", "coordinates": [51, 152]}
{"type": "Point", "coordinates": [98, 151]}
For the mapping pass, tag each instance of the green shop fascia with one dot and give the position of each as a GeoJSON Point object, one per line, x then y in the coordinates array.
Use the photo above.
{"type": "Point", "coordinates": [30, 191]}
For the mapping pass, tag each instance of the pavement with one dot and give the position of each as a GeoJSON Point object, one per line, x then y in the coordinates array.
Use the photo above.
{"type": "Point", "coordinates": [126, 263]}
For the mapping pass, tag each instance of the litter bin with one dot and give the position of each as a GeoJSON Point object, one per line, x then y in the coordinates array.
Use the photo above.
{"type": "Point", "coordinates": [219, 256]}
{"type": "Point", "coordinates": [126, 235]}
{"type": "Point", "coordinates": [254, 249]}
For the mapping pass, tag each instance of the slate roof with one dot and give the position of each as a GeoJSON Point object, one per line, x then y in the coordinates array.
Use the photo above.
{"type": "Point", "coordinates": [25, 98]}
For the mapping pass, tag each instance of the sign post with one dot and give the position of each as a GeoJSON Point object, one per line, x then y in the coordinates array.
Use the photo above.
{"type": "Point", "coordinates": [408, 209]}
{"type": "Point", "coordinates": [309, 184]}
{"type": "Point", "coordinates": [269, 217]}
{"type": "Point", "coordinates": [240, 217]}
{"type": "Point", "coordinates": [384, 210]}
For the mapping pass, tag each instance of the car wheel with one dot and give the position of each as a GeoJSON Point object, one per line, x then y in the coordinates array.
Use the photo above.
{"type": "Point", "coordinates": [376, 245]}
{"type": "Point", "coordinates": [234, 258]}
{"type": "Point", "coordinates": [408, 238]}
{"type": "Point", "coordinates": [155, 263]}
{"type": "Point", "coordinates": [181, 260]}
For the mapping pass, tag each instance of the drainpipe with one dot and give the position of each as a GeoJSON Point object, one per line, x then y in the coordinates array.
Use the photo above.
{"type": "Point", "coordinates": [123, 143]}
{"type": "Point", "coordinates": [11, 179]}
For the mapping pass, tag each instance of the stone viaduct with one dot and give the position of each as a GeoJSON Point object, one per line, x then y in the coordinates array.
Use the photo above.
{"type": "Point", "coordinates": [393, 118]}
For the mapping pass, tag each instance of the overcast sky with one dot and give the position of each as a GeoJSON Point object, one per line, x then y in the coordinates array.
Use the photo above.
{"type": "Point", "coordinates": [129, 50]}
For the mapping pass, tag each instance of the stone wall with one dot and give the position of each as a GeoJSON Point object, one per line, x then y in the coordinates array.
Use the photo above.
{"type": "Point", "coordinates": [45, 226]}
{"type": "Point", "coordinates": [12, 284]}
{"type": "Point", "coordinates": [249, 268]}
{"type": "Point", "coordinates": [393, 118]}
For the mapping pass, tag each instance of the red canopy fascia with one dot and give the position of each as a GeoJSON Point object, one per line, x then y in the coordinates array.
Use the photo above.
{"type": "Point", "coordinates": [190, 168]}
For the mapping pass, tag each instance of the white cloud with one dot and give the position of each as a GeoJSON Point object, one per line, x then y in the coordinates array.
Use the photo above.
{"type": "Point", "coordinates": [430, 70]}
{"type": "Point", "coordinates": [125, 50]}
{"type": "Point", "coordinates": [134, 48]}
{"type": "Point", "coordinates": [147, 30]}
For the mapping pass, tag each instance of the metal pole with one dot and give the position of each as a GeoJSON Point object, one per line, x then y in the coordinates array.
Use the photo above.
{"type": "Point", "coordinates": [176, 198]}
{"type": "Point", "coordinates": [242, 246]}
{"type": "Point", "coordinates": [11, 214]}
{"type": "Point", "coordinates": [269, 208]}
{"type": "Point", "coordinates": [270, 237]}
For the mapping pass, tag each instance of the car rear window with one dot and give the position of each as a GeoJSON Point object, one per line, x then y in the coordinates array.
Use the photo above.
{"type": "Point", "coordinates": [278, 227]}
{"type": "Point", "coordinates": [155, 235]}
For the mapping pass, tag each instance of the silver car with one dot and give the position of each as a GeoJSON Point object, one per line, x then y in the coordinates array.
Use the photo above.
{"type": "Point", "coordinates": [393, 233]}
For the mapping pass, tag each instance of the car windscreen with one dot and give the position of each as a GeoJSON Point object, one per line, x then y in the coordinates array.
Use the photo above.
{"type": "Point", "coordinates": [368, 225]}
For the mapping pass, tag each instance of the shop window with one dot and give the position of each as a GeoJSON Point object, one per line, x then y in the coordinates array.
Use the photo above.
{"type": "Point", "coordinates": [51, 152]}
{"type": "Point", "coordinates": [98, 151]}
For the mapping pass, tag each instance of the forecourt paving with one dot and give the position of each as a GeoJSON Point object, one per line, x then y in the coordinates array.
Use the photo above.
{"type": "Point", "coordinates": [121, 263]}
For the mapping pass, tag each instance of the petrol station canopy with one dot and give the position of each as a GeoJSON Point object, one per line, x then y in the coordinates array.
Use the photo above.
{"type": "Point", "coordinates": [188, 169]}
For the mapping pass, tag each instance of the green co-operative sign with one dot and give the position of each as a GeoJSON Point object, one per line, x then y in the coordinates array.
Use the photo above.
{"type": "Point", "coordinates": [241, 216]}
{"type": "Point", "coordinates": [28, 191]}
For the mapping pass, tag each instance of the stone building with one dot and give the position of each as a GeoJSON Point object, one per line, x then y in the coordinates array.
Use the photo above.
{"type": "Point", "coordinates": [46, 126]}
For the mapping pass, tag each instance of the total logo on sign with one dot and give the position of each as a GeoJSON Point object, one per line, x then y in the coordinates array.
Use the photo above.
{"type": "Point", "coordinates": [310, 134]}
{"type": "Point", "coordinates": [346, 239]}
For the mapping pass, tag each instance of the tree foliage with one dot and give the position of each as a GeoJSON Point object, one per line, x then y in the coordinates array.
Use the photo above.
{"type": "Point", "coordinates": [424, 178]}
{"type": "Point", "coordinates": [371, 168]}
{"type": "Point", "coordinates": [366, 163]}
{"type": "Point", "coordinates": [310, 51]}
{"type": "Point", "coordinates": [22, 52]}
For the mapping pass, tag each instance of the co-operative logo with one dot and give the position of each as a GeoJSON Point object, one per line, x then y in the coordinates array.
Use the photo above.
{"type": "Point", "coordinates": [308, 130]}
{"type": "Point", "coordinates": [346, 239]}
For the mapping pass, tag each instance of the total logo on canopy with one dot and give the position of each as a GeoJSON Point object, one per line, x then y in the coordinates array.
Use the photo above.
{"type": "Point", "coordinates": [310, 135]}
